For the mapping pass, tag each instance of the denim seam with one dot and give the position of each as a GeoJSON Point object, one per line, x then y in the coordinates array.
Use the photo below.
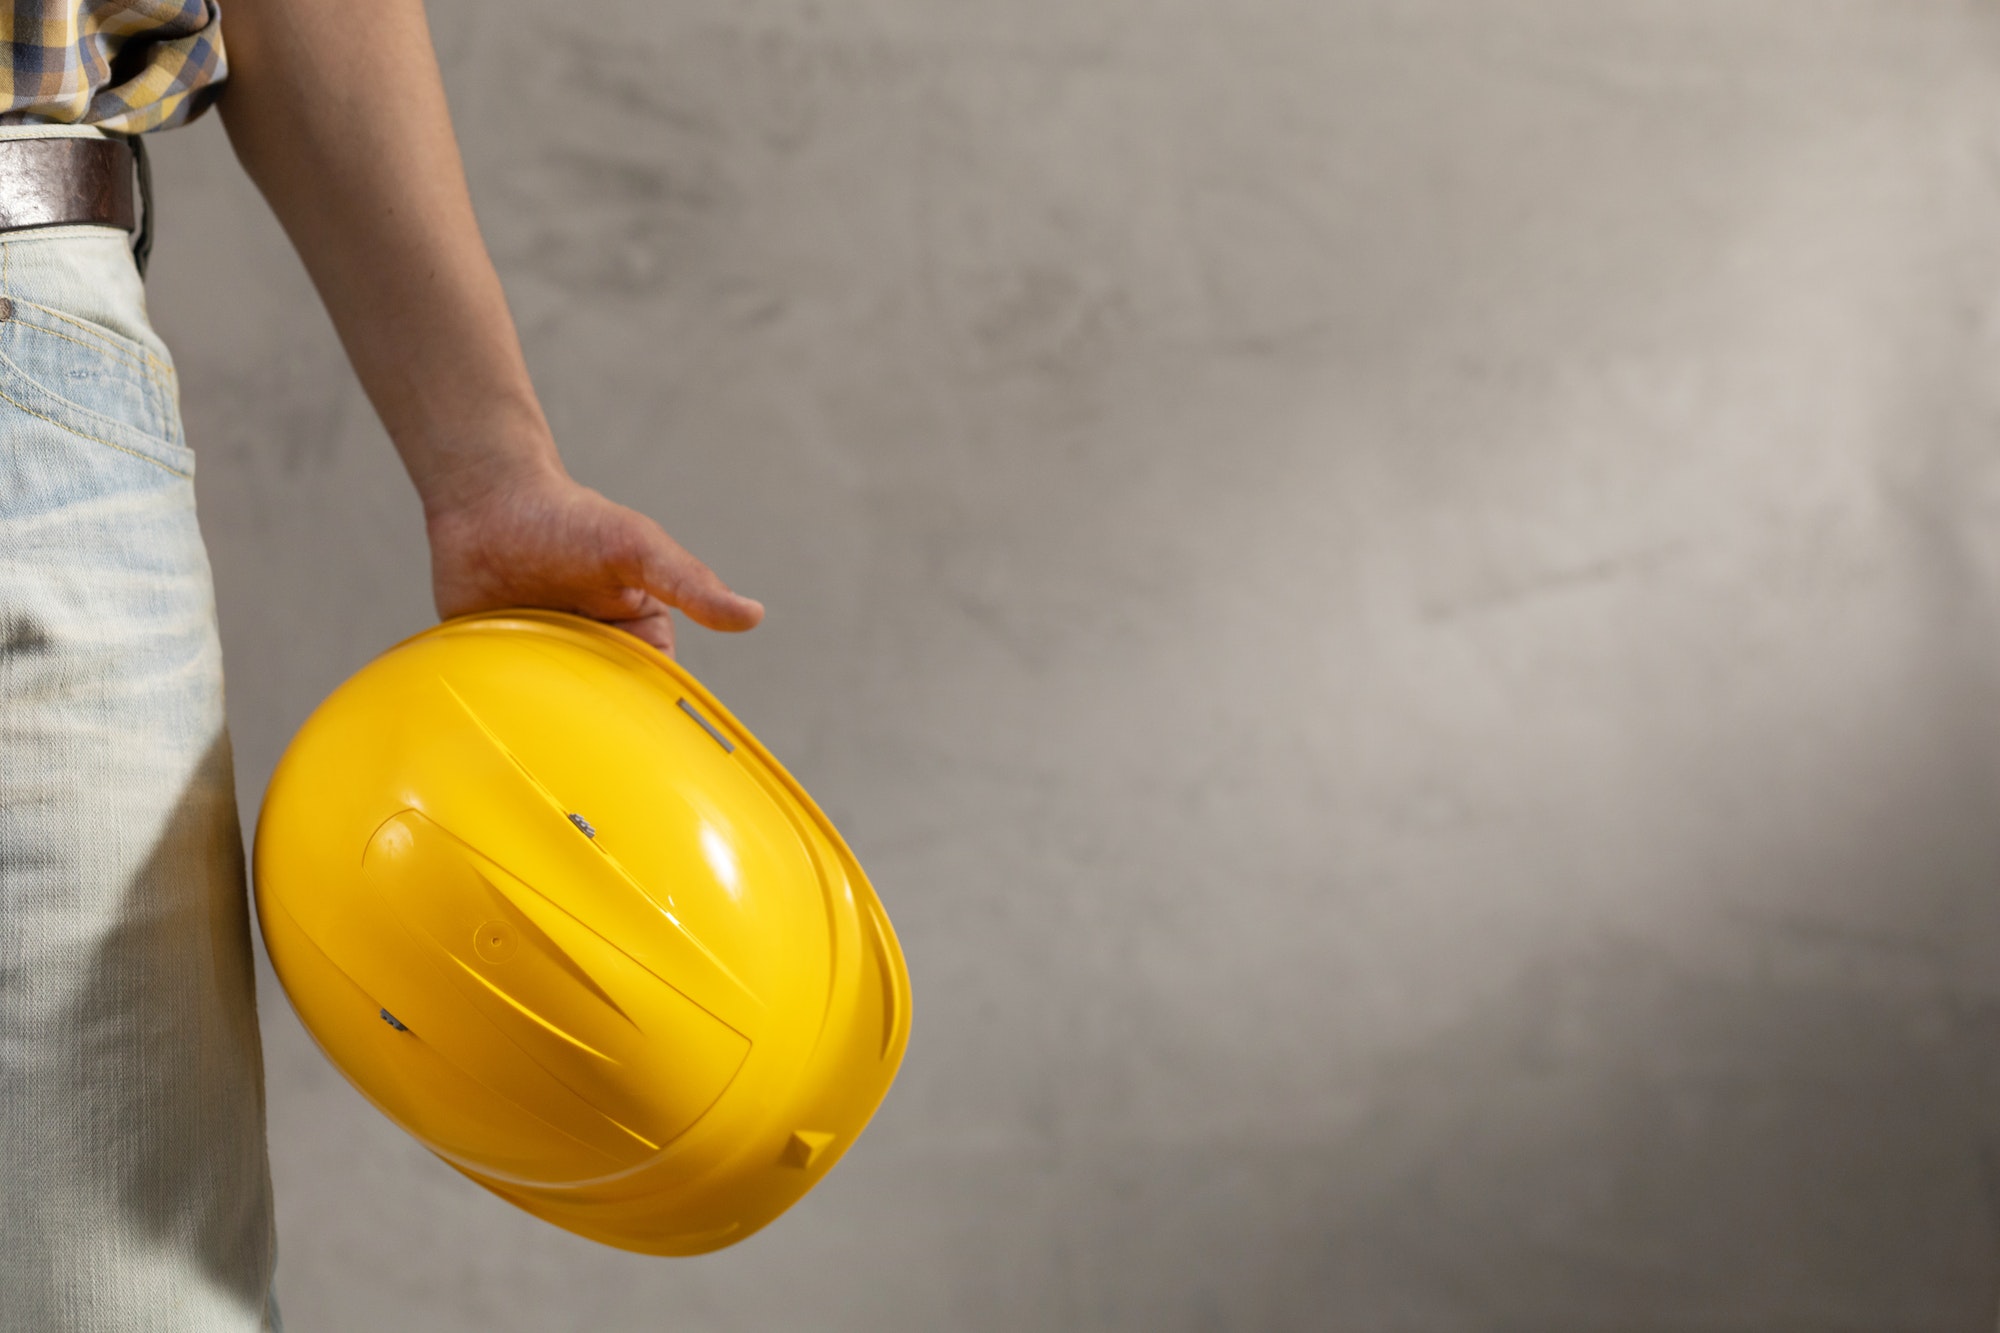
{"type": "Point", "coordinates": [95, 346]}
{"type": "Point", "coordinates": [172, 419]}
{"type": "Point", "coordinates": [145, 360]}
{"type": "Point", "coordinates": [166, 398]}
{"type": "Point", "coordinates": [95, 439]}
{"type": "Point", "coordinates": [157, 392]}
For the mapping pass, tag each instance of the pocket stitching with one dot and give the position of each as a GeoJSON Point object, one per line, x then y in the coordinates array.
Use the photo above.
{"type": "Point", "coordinates": [99, 339]}
{"type": "Point", "coordinates": [164, 450]}
{"type": "Point", "coordinates": [94, 345]}
{"type": "Point", "coordinates": [159, 374]}
{"type": "Point", "coordinates": [108, 343]}
{"type": "Point", "coordinates": [163, 417]}
{"type": "Point", "coordinates": [95, 439]}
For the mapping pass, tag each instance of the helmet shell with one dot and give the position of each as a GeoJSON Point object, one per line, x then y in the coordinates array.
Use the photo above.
{"type": "Point", "coordinates": [551, 908]}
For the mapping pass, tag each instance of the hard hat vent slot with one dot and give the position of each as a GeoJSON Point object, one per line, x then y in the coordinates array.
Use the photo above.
{"type": "Point", "coordinates": [708, 727]}
{"type": "Point", "coordinates": [583, 824]}
{"type": "Point", "coordinates": [390, 1019]}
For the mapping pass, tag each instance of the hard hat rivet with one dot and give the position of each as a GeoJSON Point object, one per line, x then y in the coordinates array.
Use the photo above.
{"type": "Point", "coordinates": [583, 824]}
{"type": "Point", "coordinates": [495, 941]}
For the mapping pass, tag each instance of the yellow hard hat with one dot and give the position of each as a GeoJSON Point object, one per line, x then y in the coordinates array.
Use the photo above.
{"type": "Point", "coordinates": [555, 912]}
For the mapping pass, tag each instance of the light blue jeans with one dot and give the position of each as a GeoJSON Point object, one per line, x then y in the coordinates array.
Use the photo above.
{"type": "Point", "coordinates": [134, 1187]}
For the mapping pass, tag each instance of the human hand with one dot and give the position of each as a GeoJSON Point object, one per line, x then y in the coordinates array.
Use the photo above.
{"type": "Point", "coordinates": [544, 540]}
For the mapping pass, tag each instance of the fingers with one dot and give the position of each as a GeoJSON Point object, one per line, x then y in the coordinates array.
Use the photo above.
{"type": "Point", "coordinates": [656, 629]}
{"type": "Point", "coordinates": [614, 604]}
{"type": "Point", "coordinates": [641, 615]}
{"type": "Point", "coordinates": [576, 551]}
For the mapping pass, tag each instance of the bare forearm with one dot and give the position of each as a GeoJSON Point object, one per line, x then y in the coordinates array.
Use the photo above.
{"type": "Point", "coordinates": [337, 112]}
{"type": "Point", "coordinates": [341, 122]}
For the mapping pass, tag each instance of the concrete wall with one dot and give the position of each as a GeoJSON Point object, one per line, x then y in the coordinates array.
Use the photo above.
{"type": "Point", "coordinates": [1399, 599]}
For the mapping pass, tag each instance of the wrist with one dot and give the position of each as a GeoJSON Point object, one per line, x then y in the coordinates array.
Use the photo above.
{"type": "Point", "coordinates": [457, 473]}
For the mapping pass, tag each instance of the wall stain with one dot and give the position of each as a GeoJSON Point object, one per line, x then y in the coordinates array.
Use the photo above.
{"type": "Point", "coordinates": [1597, 571]}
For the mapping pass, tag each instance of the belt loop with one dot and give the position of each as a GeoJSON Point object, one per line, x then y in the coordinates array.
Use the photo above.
{"type": "Point", "coordinates": [142, 241]}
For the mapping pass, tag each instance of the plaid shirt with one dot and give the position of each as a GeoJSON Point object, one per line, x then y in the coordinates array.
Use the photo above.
{"type": "Point", "coordinates": [125, 66]}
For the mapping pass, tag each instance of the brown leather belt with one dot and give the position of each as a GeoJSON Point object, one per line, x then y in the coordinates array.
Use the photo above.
{"type": "Point", "coordinates": [51, 182]}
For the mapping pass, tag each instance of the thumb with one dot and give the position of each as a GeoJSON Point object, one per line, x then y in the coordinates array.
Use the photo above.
{"type": "Point", "coordinates": [674, 576]}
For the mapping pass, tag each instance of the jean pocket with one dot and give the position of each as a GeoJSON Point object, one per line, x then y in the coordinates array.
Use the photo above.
{"type": "Point", "coordinates": [92, 381]}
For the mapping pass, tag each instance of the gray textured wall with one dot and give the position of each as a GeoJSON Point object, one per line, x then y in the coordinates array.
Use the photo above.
{"type": "Point", "coordinates": [1399, 598]}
